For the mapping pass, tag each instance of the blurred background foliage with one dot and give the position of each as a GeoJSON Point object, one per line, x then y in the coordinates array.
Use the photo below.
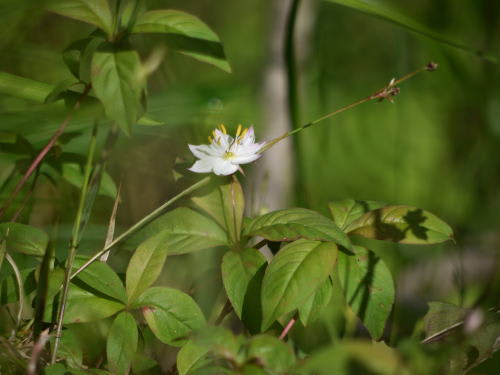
{"type": "Point", "coordinates": [436, 147]}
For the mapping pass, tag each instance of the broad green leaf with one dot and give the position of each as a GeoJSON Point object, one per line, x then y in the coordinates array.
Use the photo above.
{"type": "Point", "coordinates": [221, 342]}
{"type": "Point", "coordinates": [24, 88]}
{"type": "Point", "coordinates": [442, 316]}
{"type": "Point", "coordinates": [310, 309]}
{"type": "Point", "coordinates": [186, 33]}
{"type": "Point", "coordinates": [142, 363]}
{"type": "Point", "coordinates": [271, 353]}
{"type": "Point", "coordinates": [294, 223]}
{"type": "Point", "coordinates": [145, 265]}
{"type": "Point", "coordinates": [344, 212]}
{"type": "Point", "coordinates": [171, 314]}
{"type": "Point", "coordinates": [369, 358]}
{"type": "Point", "coordinates": [95, 12]}
{"type": "Point", "coordinates": [368, 288]}
{"type": "Point", "coordinates": [191, 357]}
{"type": "Point", "coordinates": [118, 83]}
{"type": "Point", "coordinates": [238, 270]}
{"type": "Point", "coordinates": [55, 369]}
{"type": "Point", "coordinates": [24, 238]}
{"type": "Point", "coordinates": [381, 9]}
{"type": "Point", "coordinates": [403, 224]}
{"type": "Point", "coordinates": [294, 274]}
{"type": "Point", "coordinates": [209, 199]}
{"type": "Point", "coordinates": [233, 205]}
{"type": "Point", "coordinates": [83, 306]}
{"type": "Point", "coordinates": [121, 343]}
{"type": "Point", "coordinates": [185, 231]}
{"type": "Point", "coordinates": [101, 277]}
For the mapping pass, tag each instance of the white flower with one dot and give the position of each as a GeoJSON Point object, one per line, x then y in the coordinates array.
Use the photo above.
{"type": "Point", "coordinates": [224, 154]}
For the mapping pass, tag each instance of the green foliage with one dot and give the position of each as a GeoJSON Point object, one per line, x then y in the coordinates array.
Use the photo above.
{"type": "Point", "coordinates": [121, 344]}
{"type": "Point", "coordinates": [368, 288]}
{"type": "Point", "coordinates": [170, 313]}
{"type": "Point", "coordinates": [23, 238]}
{"type": "Point", "coordinates": [295, 274]}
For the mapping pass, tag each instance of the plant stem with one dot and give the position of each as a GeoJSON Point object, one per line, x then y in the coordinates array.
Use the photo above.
{"type": "Point", "coordinates": [287, 328]}
{"type": "Point", "coordinates": [146, 219]}
{"type": "Point", "coordinates": [39, 158]}
{"type": "Point", "coordinates": [384, 93]}
{"type": "Point", "coordinates": [75, 239]}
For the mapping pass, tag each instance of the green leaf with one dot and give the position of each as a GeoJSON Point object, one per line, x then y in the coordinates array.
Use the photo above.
{"type": "Point", "coordinates": [24, 238]}
{"type": "Point", "coordinates": [94, 12]}
{"type": "Point", "coordinates": [73, 173]}
{"type": "Point", "coordinates": [185, 230]}
{"type": "Point", "coordinates": [102, 278]}
{"type": "Point", "coordinates": [118, 83]}
{"type": "Point", "coordinates": [145, 266]}
{"type": "Point", "coordinates": [238, 270]}
{"type": "Point", "coordinates": [271, 353]}
{"type": "Point", "coordinates": [70, 349]}
{"type": "Point", "coordinates": [368, 288]}
{"type": "Point", "coordinates": [191, 357]}
{"type": "Point", "coordinates": [344, 212]}
{"type": "Point", "coordinates": [55, 369]}
{"type": "Point", "coordinates": [24, 88]}
{"type": "Point", "coordinates": [59, 89]}
{"type": "Point", "coordinates": [83, 306]}
{"type": "Point", "coordinates": [121, 343]}
{"type": "Point", "coordinates": [403, 224]}
{"type": "Point", "coordinates": [310, 309]}
{"type": "Point", "coordinates": [171, 314]}
{"type": "Point", "coordinates": [294, 223]}
{"type": "Point", "coordinates": [295, 274]}
{"type": "Point", "coordinates": [186, 33]}
{"type": "Point", "coordinates": [386, 12]}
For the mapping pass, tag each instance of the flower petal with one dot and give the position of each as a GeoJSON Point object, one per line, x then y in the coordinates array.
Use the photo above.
{"type": "Point", "coordinates": [202, 151]}
{"type": "Point", "coordinates": [243, 159]}
{"type": "Point", "coordinates": [205, 165]}
{"type": "Point", "coordinates": [223, 167]}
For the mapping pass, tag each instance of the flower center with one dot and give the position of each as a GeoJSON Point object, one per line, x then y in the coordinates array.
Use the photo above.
{"type": "Point", "coordinates": [228, 155]}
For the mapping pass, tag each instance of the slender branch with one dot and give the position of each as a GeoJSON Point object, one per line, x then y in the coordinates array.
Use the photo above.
{"type": "Point", "coordinates": [39, 158]}
{"type": "Point", "coordinates": [287, 328]}
{"type": "Point", "coordinates": [146, 219]}
{"type": "Point", "coordinates": [20, 285]}
{"type": "Point", "coordinates": [37, 351]}
{"type": "Point", "coordinates": [386, 92]}
{"type": "Point", "coordinates": [75, 239]}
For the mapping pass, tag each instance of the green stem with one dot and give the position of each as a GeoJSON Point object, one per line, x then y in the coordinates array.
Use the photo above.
{"type": "Point", "coordinates": [383, 93]}
{"type": "Point", "coordinates": [146, 219]}
{"type": "Point", "coordinates": [75, 238]}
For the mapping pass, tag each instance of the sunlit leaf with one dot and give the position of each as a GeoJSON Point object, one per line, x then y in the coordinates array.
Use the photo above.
{"type": "Point", "coordinates": [121, 343]}
{"type": "Point", "coordinates": [271, 353]}
{"type": "Point", "coordinates": [145, 265]}
{"type": "Point", "coordinates": [403, 224]}
{"type": "Point", "coordinates": [294, 275]}
{"type": "Point", "coordinates": [186, 33]}
{"type": "Point", "coordinates": [191, 357]}
{"type": "Point", "coordinates": [294, 223]}
{"type": "Point", "coordinates": [368, 288]}
{"type": "Point", "coordinates": [24, 88]}
{"type": "Point", "coordinates": [344, 212]}
{"type": "Point", "coordinates": [233, 205]}
{"type": "Point", "coordinates": [95, 12]}
{"type": "Point", "coordinates": [171, 314]}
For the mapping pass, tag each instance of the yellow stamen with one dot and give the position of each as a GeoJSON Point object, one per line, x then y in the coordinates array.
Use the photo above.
{"type": "Point", "coordinates": [238, 130]}
{"type": "Point", "coordinates": [209, 139]}
{"type": "Point", "coordinates": [244, 133]}
{"type": "Point", "coordinates": [218, 141]}
{"type": "Point", "coordinates": [223, 128]}
{"type": "Point", "coordinates": [213, 134]}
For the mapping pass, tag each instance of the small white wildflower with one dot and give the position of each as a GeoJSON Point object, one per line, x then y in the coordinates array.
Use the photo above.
{"type": "Point", "coordinates": [224, 154]}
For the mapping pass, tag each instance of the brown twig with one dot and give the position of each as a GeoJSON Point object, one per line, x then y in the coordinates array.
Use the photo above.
{"type": "Point", "coordinates": [287, 328]}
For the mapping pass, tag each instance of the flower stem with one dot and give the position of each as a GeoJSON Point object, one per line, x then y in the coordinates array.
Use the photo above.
{"type": "Point", "coordinates": [287, 328]}
{"type": "Point", "coordinates": [75, 239]}
{"type": "Point", "coordinates": [384, 93]}
{"type": "Point", "coordinates": [146, 219]}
